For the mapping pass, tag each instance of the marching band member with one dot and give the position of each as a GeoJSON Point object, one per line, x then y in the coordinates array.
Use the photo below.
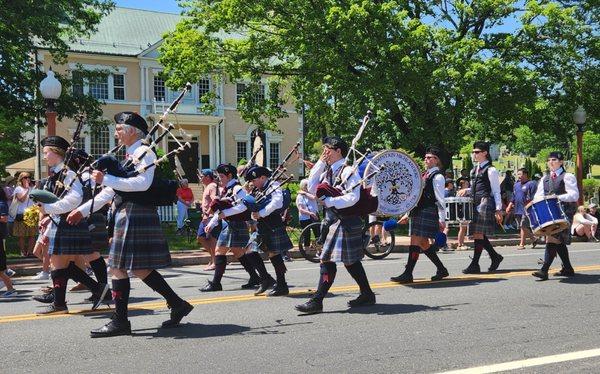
{"type": "Point", "coordinates": [65, 242]}
{"type": "Point", "coordinates": [485, 191]}
{"type": "Point", "coordinates": [138, 244]}
{"type": "Point", "coordinates": [234, 235]}
{"type": "Point", "coordinates": [344, 242]}
{"type": "Point", "coordinates": [271, 231]}
{"type": "Point", "coordinates": [564, 185]}
{"type": "Point", "coordinates": [428, 219]}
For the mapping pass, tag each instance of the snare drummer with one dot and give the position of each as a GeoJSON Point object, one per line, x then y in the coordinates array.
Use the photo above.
{"type": "Point", "coordinates": [564, 185]}
{"type": "Point", "coordinates": [485, 190]}
{"type": "Point", "coordinates": [427, 219]}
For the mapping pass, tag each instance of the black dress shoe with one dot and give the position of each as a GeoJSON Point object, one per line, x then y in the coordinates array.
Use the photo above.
{"type": "Point", "coordinates": [53, 309]}
{"type": "Point", "coordinates": [47, 298]}
{"type": "Point", "coordinates": [113, 328]}
{"type": "Point", "coordinates": [178, 313]}
{"type": "Point", "coordinates": [472, 269]}
{"type": "Point", "coordinates": [279, 290]}
{"type": "Point", "coordinates": [211, 287]}
{"type": "Point", "coordinates": [362, 300]}
{"type": "Point", "coordinates": [496, 262]}
{"type": "Point", "coordinates": [312, 306]}
{"type": "Point", "coordinates": [441, 274]}
{"type": "Point", "coordinates": [543, 275]}
{"type": "Point", "coordinates": [405, 277]}
{"type": "Point", "coordinates": [565, 273]}
{"type": "Point", "coordinates": [252, 283]}
{"type": "Point", "coordinates": [264, 286]}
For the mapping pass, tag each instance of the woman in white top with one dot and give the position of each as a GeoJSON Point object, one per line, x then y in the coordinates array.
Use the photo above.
{"type": "Point", "coordinates": [308, 210]}
{"type": "Point", "coordinates": [584, 224]}
{"type": "Point", "coordinates": [20, 229]}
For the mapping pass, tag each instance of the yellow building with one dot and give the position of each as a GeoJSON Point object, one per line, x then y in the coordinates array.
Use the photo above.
{"type": "Point", "coordinates": [126, 44]}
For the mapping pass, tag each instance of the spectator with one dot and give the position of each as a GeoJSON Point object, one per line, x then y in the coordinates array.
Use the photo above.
{"type": "Point", "coordinates": [10, 291]}
{"type": "Point", "coordinates": [308, 210]}
{"type": "Point", "coordinates": [185, 198]}
{"type": "Point", "coordinates": [584, 225]}
{"type": "Point", "coordinates": [506, 191]}
{"type": "Point", "coordinates": [20, 229]}
{"type": "Point", "coordinates": [464, 190]}
{"type": "Point", "coordinates": [449, 190]}
{"type": "Point", "coordinates": [523, 193]}
{"type": "Point", "coordinates": [594, 211]}
{"type": "Point", "coordinates": [464, 175]}
{"type": "Point", "coordinates": [449, 174]}
{"type": "Point", "coordinates": [211, 192]}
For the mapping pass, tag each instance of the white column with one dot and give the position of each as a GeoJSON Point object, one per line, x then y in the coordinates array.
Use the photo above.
{"type": "Point", "coordinates": [221, 135]}
{"type": "Point", "coordinates": [211, 146]}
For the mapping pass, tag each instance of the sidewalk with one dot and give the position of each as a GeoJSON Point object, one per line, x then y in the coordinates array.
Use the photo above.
{"type": "Point", "coordinates": [31, 266]}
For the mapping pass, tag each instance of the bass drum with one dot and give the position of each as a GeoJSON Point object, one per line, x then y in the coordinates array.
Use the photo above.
{"type": "Point", "coordinates": [397, 182]}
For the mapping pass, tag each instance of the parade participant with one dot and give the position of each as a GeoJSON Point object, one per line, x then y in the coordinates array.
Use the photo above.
{"type": "Point", "coordinates": [344, 243]}
{"type": "Point", "coordinates": [211, 191]}
{"type": "Point", "coordinates": [138, 243]}
{"type": "Point", "coordinates": [271, 230]}
{"type": "Point", "coordinates": [564, 185]}
{"type": "Point", "coordinates": [487, 202]}
{"type": "Point", "coordinates": [65, 242]}
{"type": "Point", "coordinates": [427, 219]}
{"type": "Point", "coordinates": [234, 235]}
{"type": "Point", "coordinates": [524, 189]}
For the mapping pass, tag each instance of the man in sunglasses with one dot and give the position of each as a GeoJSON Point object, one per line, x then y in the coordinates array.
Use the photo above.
{"type": "Point", "coordinates": [564, 186]}
{"type": "Point", "coordinates": [485, 190]}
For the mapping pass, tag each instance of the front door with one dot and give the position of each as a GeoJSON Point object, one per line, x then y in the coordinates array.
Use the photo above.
{"type": "Point", "coordinates": [188, 159]}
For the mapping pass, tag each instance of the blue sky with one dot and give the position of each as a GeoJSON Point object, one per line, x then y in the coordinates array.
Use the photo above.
{"type": "Point", "coordinates": [169, 6]}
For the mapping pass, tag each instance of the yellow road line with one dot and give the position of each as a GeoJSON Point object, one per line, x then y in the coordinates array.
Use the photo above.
{"type": "Point", "coordinates": [160, 305]}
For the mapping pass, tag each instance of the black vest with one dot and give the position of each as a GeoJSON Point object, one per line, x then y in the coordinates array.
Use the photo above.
{"type": "Point", "coordinates": [480, 183]}
{"type": "Point", "coordinates": [274, 219]}
{"type": "Point", "coordinates": [557, 187]}
{"type": "Point", "coordinates": [428, 196]}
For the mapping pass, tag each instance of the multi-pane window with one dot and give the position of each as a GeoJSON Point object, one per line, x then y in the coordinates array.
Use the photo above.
{"type": "Point", "coordinates": [99, 88]}
{"type": "Point", "coordinates": [159, 89]}
{"type": "Point", "coordinates": [203, 88]}
{"type": "Point", "coordinates": [118, 87]}
{"type": "Point", "coordinates": [242, 87]}
{"type": "Point", "coordinates": [99, 140]}
{"type": "Point", "coordinates": [273, 155]}
{"type": "Point", "coordinates": [242, 149]}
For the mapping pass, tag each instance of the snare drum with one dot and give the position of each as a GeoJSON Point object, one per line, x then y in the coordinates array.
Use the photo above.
{"type": "Point", "coordinates": [459, 209]}
{"type": "Point", "coordinates": [546, 216]}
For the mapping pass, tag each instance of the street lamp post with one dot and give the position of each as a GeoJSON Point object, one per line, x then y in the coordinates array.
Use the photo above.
{"type": "Point", "coordinates": [50, 88]}
{"type": "Point", "coordinates": [579, 117]}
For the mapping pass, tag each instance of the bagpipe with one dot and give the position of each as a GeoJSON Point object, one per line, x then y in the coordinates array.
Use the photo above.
{"type": "Point", "coordinates": [221, 203]}
{"type": "Point", "coordinates": [367, 203]}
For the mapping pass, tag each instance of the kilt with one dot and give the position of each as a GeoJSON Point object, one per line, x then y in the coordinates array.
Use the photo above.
{"type": "Point", "coordinates": [66, 239]}
{"type": "Point", "coordinates": [425, 222]}
{"type": "Point", "coordinates": [274, 240]}
{"type": "Point", "coordinates": [484, 217]}
{"type": "Point", "coordinates": [345, 241]}
{"type": "Point", "coordinates": [214, 233]}
{"type": "Point", "coordinates": [234, 235]}
{"type": "Point", "coordinates": [138, 241]}
{"type": "Point", "coordinates": [99, 234]}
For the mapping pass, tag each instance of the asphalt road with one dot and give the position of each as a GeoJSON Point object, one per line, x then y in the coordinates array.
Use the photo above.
{"type": "Point", "coordinates": [464, 322]}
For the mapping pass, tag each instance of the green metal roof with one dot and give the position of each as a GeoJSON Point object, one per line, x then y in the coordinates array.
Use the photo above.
{"type": "Point", "coordinates": [127, 32]}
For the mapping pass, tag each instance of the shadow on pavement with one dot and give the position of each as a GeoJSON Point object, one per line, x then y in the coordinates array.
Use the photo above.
{"type": "Point", "coordinates": [454, 283]}
{"type": "Point", "coordinates": [393, 309]}
{"type": "Point", "coordinates": [581, 278]}
{"type": "Point", "coordinates": [192, 331]}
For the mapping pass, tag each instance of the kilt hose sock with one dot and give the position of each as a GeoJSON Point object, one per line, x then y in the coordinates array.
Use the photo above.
{"type": "Point", "coordinates": [259, 265]}
{"type": "Point", "coordinates": [220, 265]}
{"type": "Point", "coordinates": [431, 254]}
{"type": "Point", "coordinates": [489, 247]}
{"type": "Point", "coordinates": [357, 271]}
{"type": "Point", "coordinates": [327, 277]}
{"type": "Point", "coordinates": [99, 268]}
{"type": "Point", "coordinates": [60, 277]}
{"type": "Point", "coordinates": [247, 264]}
{"type": "Point", "coordinates": [413, 256]}
{"type": "Point", "coordinates": [479, 245]}
{"type": "Point", "coordinates": [280, 269]}
{"type": "Point", "coordinates": [81, 276]}
{"type": "Point", "coordinates": [120, 295]}
{"type": "Point", "coordinates": [156, 281]}
{"type": "Point", "coordinates": [563, 253]}
{"type": "Point", "coordinates": [549, 255]}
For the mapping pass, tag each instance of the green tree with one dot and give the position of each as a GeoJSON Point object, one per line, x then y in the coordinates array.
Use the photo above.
{"type": "Point", "coordinates": [433, 72]}
{"type": "Point", "coordinates": [590, 148]}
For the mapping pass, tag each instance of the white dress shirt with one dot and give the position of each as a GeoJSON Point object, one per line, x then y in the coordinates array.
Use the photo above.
{"type": "Point", "coordinates": [572, 192]}
{"type": "Point", "coordinates": [318, 174]}
{"type": "Point", "coordinates": [439, 185]}
{"type": "Point", "coordinates": [238, 194]}
{"type": "Point", "coordinates": [140, 182]}
{"type": "Point", "coordinates": [494, 178]}
{"type": "Point", "coordinates": [72, 197]}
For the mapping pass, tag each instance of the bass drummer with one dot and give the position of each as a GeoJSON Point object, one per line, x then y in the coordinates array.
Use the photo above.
{"type": "Point", "coordinates": [564, 186]}
{"type": "Point", "coordinates": [427, 219]}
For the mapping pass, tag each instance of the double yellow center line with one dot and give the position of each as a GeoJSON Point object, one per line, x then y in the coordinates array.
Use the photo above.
{"type": "Point", "coordinates": [250, 297]}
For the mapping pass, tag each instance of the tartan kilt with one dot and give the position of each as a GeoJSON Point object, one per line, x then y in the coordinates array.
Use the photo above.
{"type": "Point", "coordinates": [138, 241]}
{"type": "Point", "coordinates": [234, 235]}
{"type": "Point", "coordinates": [274, 240]}
{"type": "Point", "coordinates": [345, 241]}
{"type": "Point", "coordinates": [214, 233]}
{"type": "Point", "coordinates": [484, 217]}
{"type": "Point", "coordinates": [65, 239]}
{"type": "Point", "coordinates": [425, 223]}
{"type": "Point", "coordinates": [99, 234]}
